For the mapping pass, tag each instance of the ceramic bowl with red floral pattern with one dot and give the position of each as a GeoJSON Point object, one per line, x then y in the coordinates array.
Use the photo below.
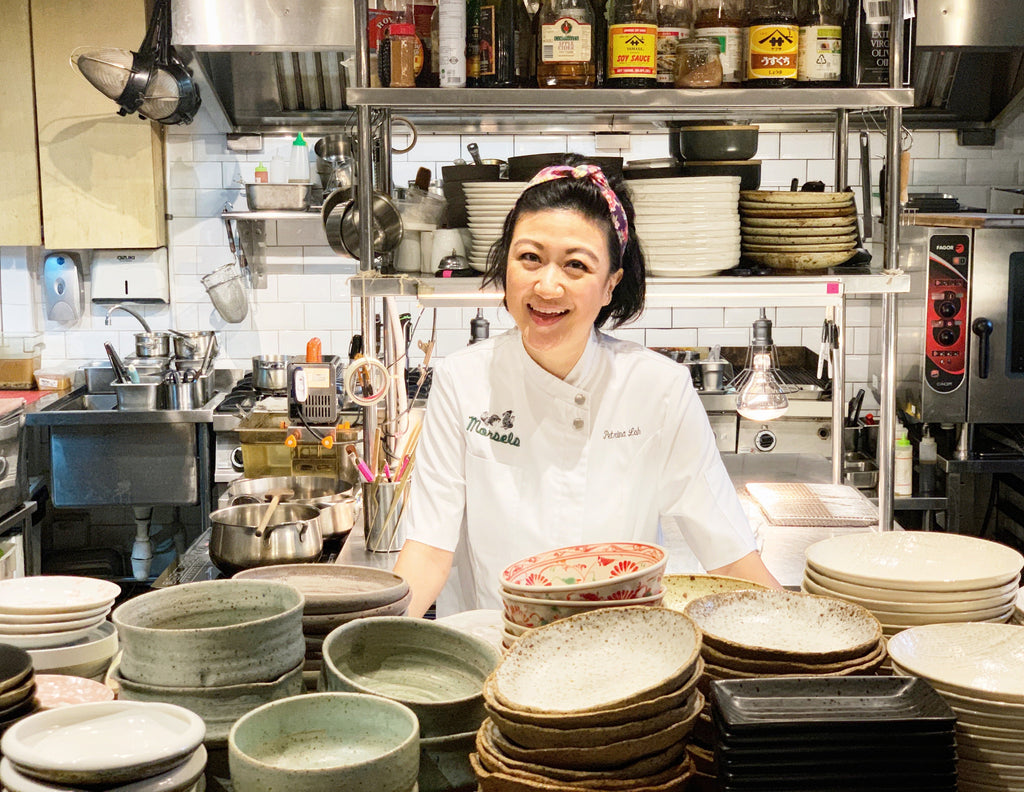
{"type": "Point", "coordinates": [532, 612]}
{"type": "Point", "coordinates": [589, 573]}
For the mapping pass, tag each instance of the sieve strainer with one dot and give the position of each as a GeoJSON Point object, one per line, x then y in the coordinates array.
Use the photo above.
{"type": "Point", "coordinates": [227, 292]}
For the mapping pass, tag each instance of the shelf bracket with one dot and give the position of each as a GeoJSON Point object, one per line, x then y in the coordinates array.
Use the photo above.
{"type": "Point", "coordinates": [252, 238]}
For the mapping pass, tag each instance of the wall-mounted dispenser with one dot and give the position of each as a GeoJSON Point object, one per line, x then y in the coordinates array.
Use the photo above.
{"type": "Point", "coordinates": [62, 287]}
{"type": "Point", "coordinates": [130, 276]}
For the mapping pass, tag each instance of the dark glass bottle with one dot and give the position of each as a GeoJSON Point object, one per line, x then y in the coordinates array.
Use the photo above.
{"type": "Point", "coordinates": [772, 44]}
{"type": "Point", "coordinates": [600, 43]}
{"type": "Point", "coordinates": [821, 41]}
{"type": "Point", "coordinates": [497, 44]}
{"type": "Point", "coordinates": [472, 43]}
{"type": "Point", "coordinates": [632, 44]}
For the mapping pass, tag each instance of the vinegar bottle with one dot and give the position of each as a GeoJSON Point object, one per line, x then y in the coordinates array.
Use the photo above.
{"type": "Point", "coordinates": [565, 44]}
{"type": "Point", "coordinates": [772, 44]}
{"type": "Point", "coordinates": [632, 44]}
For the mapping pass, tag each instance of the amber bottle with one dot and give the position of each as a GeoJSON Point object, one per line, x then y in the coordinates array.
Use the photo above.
{"type": "Point", "coordinates": [565, 44]}
{"type": "Point", "coordinates": [632, 44]}
{"type": "Point", "coordinates": [772, 44]}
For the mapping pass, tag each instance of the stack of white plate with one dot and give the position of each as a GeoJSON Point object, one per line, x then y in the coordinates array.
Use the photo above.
{"type": "Point", "coordinates": [111, 745]}
{"type": "Point", "coordinates": [909, 578]}
{"type": "Point", "coordinates": [487, 205]}
{"type": "Point", "coordinates": [52, 610]}
{"type": "Point", "coordinates": [688, 226]}
{"type": "Point", "coordinates": [798, 230]}
{"type": "Point", "coordinates": [977, 669]}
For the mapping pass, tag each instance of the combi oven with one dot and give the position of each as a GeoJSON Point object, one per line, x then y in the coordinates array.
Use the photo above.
{"type": "Point", "coordinates": [960, 343]}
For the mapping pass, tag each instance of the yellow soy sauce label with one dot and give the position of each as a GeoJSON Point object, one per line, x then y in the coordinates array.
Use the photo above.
{"type": "Point", "coordinates": [633, 50]}
{"type": "Point", "coordinates": [773, 51]}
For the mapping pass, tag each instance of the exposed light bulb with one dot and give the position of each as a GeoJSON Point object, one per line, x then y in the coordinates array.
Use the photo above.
{"type": "Point", "coordinates": [760, 398]}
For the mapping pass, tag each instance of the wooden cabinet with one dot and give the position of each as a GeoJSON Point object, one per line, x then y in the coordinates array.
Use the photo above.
{"type": "Point", "coordinates": [99, 181]}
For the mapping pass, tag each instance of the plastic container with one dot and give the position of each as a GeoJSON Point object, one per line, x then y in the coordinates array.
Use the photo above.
{"type": "Point", "coordinates": [298, 165]}
{"type": "Point", "coordinates": [20, 356]}
{"type": "Point", "coordinates": [262, 176]}
{"type": "Point", "coordinates": [903, 475]}
{"type": "Point", "coordinates": [57, 378]}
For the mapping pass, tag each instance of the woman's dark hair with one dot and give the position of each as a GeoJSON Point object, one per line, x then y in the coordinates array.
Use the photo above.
{"type": "Point", "coordinates": [583, 196]}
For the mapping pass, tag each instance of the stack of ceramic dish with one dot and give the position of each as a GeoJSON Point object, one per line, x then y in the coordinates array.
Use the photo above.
{"type": "Point", "coordinates": [487, 205]}
{"type": "Point", "coordinates": [123, 745]}
{"type": "Point", "coordinates": [325, 742]}
{"type": "Point", "coordinates": [908, 578]}
{"type": "Point", "coordinates": [753, 634]}
{"type": "Point", "coordinates": [1018, 611]}
{"type": "Point", "coordinates": [89, 656]}
{"type": "Point", "coordinates": [52, 610]}
{"type": "Point", "coordinates": [688, 226]}
{"type": "Point", "coordinates": [877, 734]}
{"type": "Point", "coordinates": [798, 230]}
{"type": "Point", "coordinates": [602, 700]}
{"type": "Point", "coordinates": [435, 671]}
{"type": "Point", "coordinates": [558, 583]}
{"type": "Point", "coordinates": [17, 686]}
{"type": "Point", "coordinates": [219, 647]}
{"type": "Point", "coordinates": [977, 669]}
{"type": "Point", "coordinates": [61, 690]}
{"type": "Point", "coordinates": [335, 594]}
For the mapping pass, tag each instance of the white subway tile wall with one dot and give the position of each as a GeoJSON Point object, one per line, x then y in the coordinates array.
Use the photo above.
{"type": "Point", "coordinates": [307, 283]}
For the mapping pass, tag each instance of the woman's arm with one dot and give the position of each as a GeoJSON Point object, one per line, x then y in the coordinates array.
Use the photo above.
{"type": "Point", "coordinates": [751, 568]}
{"type": "Point", "coordinates": [426, 568]}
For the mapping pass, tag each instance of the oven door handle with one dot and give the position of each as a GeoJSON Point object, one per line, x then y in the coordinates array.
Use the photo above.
{"type": "Point", "coordinates": [983, 328]}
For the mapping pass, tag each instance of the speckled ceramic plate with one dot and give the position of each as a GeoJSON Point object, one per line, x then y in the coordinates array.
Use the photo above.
{"type": "Point", "coordinates": [966, 597]}
{"type": "Point", "coordinates": [846, 240]}
{"type": "Point", "coordinates": [681, 590]}
{"type": "Point", "coordinates": [598, 660]}
{"type": "Point", "coordinates": [980, 660]}
{"type": "Point", "coordinates": [884, 606]}
{"type": "Point", "coordinates": [916, 560]}
{"type": "Point", "coordinates": [785, 625]}
{"type": "Point", "coordinates": [799, 261]}
{"type": "Point", "coordinates": [791, 198]}
{"type": "Point", "coordinates": [791, 225]}
{"type": "Point", "coordinates": [334, 588]}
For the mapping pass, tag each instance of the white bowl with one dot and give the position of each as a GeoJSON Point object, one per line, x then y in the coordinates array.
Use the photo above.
{"type": "Point", "coordinates": [46, 594]}
{"type": "Point", "coordinates": [92, 653]}
{"type": "Point", "coordinates": [176, 779]}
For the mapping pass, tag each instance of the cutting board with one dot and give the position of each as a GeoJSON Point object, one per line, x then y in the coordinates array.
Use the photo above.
{"type": "Point", "coordinates": [964, 220]}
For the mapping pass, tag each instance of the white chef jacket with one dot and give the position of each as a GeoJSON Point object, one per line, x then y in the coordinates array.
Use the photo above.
{"type": "Point", "coordinates": [514, 461]}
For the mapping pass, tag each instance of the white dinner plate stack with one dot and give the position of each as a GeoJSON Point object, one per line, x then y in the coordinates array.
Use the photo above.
{"type": "Point", "coordinates": [910, 578]}
{"type": "Point", "coordinates": [977, 668]}
{"type": "Point", "coordinates": [52, 610]}
{"type": "Point", "coordinates": [487, 204]}
{"type": "Point", "coordinates": [688, 226]}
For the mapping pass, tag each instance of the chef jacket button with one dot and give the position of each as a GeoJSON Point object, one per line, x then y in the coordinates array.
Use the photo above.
{"type": "Point", "coordinates": [577, 424]}
{"type": "Point", "coordinates": [580, 398]}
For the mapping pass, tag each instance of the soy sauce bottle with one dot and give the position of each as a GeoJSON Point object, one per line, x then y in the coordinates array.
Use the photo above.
{"type": "Point", "coordinates": [632, 44]}
{"type": "Point", "coordinates": [773, 44]}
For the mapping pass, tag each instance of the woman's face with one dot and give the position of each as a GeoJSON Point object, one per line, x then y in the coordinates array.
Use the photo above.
{"type": "Point", "coordinates": [557, 281]}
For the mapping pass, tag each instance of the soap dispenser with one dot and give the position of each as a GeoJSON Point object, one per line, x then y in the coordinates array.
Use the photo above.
{"type": "Point", "coordinates": [62, 288]}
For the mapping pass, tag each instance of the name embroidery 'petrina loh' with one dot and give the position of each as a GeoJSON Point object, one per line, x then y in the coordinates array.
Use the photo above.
{"type": "Point", "coordinates": [496, 426]}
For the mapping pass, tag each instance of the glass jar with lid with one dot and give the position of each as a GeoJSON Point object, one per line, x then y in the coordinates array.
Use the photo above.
{"type": "Point", "coordinates": [698, 63]}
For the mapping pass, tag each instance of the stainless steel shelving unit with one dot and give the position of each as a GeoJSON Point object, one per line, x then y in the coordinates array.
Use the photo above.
{"type": "Point", "coordinates": [478, 106]}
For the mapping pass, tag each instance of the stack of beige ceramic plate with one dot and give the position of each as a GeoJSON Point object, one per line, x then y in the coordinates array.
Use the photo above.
{"type": "Point", "coordinates": [798, 230]}
{"type": "Point", "coordinates": [751, 634]}
{"type": "Point", "coordinates": [552, 585]}
{"type": "Point", "coordinates": [688, 226]}
{"type": "Point", "coordinates": [487, 205]}
{"type": "Point", "coordinates": [52, 610]}
{"type": "Point", "coordinates": [979, 670]}
{"type": "Point", "coordinates": [335, 594]}
{"type": "Point", "coordinates": [603, 700]}
{"type": "Point", "coordinates": [1018, 612]}
{"type": "Point", "coordinates": [909, 578]}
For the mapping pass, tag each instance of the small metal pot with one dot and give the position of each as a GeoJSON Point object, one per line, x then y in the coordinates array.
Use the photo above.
{"type": "Point", "coordinates": [336, 517]}
{"type": "Point", "coordinates": [292, 537]}
{"type": "Point", "coordinates": [193, 345]}
{"type": "Point", "coordinates": [148, 345]}
{"type": "Point", "coordinates": [270, 373]}
{"type": "Point", "coordinates": [304, 488]}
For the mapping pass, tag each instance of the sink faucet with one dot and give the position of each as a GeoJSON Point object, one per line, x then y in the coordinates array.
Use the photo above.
{"type": "Point", "coordinates": [126, 309]}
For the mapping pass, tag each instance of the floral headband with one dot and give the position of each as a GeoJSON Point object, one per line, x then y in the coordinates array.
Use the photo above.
{"type": "Point", "coordinates": [597, 177]}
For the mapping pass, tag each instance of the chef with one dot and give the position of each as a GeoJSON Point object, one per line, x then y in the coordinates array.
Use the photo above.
{"type": "Point", "coordinates": [555, 434]}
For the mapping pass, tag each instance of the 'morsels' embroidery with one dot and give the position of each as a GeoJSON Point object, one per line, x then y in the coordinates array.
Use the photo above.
{"type": "Point", "coordinates": [480, 428]}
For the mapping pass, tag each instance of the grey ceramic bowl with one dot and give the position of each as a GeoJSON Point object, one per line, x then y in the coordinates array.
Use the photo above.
{"type": "Point", "coordinates": [325, 742]}
{"type": "Point", "coordinates": [714, 142]}
{"type": "Point", "coordinates": [216, 632]}
{"type": "Point", "coordinates": [436, 671]}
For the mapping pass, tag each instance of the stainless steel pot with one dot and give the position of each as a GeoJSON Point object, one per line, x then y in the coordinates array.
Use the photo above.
{"type": "Point", "coordinates": [193, 345]}
{"type": "Point", "coordinates": [293, 536]}
{"type": "Point", "coordinates": [304, 488]}
{"type": "Point", "coordinates": [149, 345]}
{"type": "Point", "coordinates": [270, 373]}
{"type": "Point", "coordinates": [336, 517]}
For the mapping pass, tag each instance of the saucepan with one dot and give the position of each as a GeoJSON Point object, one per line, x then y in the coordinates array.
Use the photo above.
{"type": "Point", "coordinates": [270, 373]}
{"type": "Point", "coordinates": [305, 489]}
{"type": "Point", "coordinates": [149, 345]}
{"type": "Point", "coordinates": [292, 536]}
{"type": "Point", "coordinates": [193, 345]}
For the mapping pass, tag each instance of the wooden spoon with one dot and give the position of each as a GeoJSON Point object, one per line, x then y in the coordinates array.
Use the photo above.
{"type": "Point", "coordinates": [275, 498]}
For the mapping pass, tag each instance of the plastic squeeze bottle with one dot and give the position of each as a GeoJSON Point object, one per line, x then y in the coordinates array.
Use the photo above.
{"type": "Point", "coordinates": [298, 166]}
{"type": "Point", "coordinates": [903, 475]}
{"type": "Point", "coordinates": [927, 455]}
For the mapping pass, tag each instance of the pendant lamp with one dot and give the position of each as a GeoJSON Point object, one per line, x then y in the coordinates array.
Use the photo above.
{"type": "Point", "coordinates": [760, 393]}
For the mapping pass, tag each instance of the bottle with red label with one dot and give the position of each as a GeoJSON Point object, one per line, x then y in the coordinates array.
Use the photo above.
{"type": "Point", "coordinates": [773, 44]}
{"type": "Point", "coordinates": [565, 44]}
{"type": "Point", "coordinates": [632, 44]}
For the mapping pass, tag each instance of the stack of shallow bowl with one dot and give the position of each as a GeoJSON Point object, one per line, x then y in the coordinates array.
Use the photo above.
{"type": "Point", "coordinates": [752, 634]}
{"type": "Point", "coordinates": [17, 686]}
{"type": "Point", "coordinates": [798, 230]}
{"type": "Point", "coordinates": [122, 745]}
{"type": "Point", "coordinates": [604, 701]}
{"type": "Point", "coordinates": [53, 610]}
{"type": "Point", "coordinates": [909, 578]}
{"type": "Point", "coordinates": [335, 594]}
{"type": "Point", "coordinates": [325, 742]}
{"type": "Point", "coordinates": [688, 226]}
{"type": "Point", "coordinates": [1018, 611]}
{"type": "Point", "coordinates": [220, 648]}
{"type": "Point", "coordinates": [487, 204]}
{"type": "Point", "coordinates": [434, 670]}
{"type": "Point", "coordinates": [558, 583]}
{"type": "Point", "coordinates": [979, 670]}
{"type": "Point", "coordinates": [682, 589]}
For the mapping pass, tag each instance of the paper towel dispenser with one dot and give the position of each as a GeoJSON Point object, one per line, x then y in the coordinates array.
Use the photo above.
{"type": "Point", "coordinates": [130, 276]}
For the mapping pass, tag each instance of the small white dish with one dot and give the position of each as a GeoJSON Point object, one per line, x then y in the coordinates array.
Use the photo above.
{"type": "Point", "coordinates": [49, 627]}
{"type": "Point", "coordinates": [106, 743]}
{"type": "Point", "coordinates": [43, 594]}
{"type": "Point", "coordinates": [176, 779]}
{"type": "Point", "coordinates": [12, 619]}
{"type": "Point", "coordinates": [47, 640]}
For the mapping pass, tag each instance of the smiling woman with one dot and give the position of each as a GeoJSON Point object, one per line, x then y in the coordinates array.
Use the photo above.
{"type": "Point", "coordinates": [609, 437]}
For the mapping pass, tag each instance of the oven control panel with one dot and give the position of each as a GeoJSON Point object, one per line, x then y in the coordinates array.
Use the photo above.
{"type": "Point", "coordinates": [946, 322]}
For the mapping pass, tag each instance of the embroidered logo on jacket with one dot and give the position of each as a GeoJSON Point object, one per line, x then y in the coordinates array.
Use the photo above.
{"type": "Point", "coordinates": [498, 427]}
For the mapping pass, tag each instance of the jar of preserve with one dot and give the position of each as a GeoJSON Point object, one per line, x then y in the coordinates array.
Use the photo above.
{"type": "Point", "coordinates": [697, 64]}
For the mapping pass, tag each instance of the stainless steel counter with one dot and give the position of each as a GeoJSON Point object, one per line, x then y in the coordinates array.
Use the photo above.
{"type": "Point", "coordinates": [80, 408]}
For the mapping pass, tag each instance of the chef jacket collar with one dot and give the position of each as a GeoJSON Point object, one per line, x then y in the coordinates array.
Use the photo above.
{"type": "Point", "coordinates": [579, 379]}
